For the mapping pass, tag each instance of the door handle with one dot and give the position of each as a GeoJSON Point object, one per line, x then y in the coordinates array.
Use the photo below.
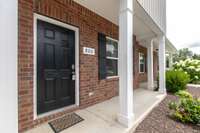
{"type": "Point", "coordinates": [73, 75]}
{"type": "Point", "coordinates": [73, 67]}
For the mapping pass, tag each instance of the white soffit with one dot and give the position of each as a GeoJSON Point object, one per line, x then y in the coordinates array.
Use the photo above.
{"type": "Point", "coordinates": [143, 25]}
{"type": "Point", "coordinates": [146, 19]}
{"type": "Point", "coordinates": [108, 9]}
{"type": "Point", "coordinates": [141, 30]}
{"type": "Point", "coordinates": [170, 47]}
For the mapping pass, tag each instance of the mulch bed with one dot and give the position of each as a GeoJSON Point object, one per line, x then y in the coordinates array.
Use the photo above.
{"type": "Point", "coordinates": [159, 121]}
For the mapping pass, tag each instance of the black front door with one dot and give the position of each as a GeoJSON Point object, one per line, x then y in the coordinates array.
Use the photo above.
{"type": "Point", "coordinates": [55, 67]}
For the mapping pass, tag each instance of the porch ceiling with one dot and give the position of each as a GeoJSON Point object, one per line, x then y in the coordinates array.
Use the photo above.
{"type": "Point", "coordinates": [143, 25]}
{"type": "Point", "coordinates": [170, 48]}
{"type": "Point", "coordinates": [141, 30]}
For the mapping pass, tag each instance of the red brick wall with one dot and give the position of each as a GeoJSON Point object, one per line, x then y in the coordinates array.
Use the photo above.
{"type": "Point", "coordinates": [155, 65]}
{"type": "Point", "coordinates": [135, 64]}
{"type": "Point", "coordinates": [25, 65]}
{"type": "Point", "coordinates": [142, 77]}
{"type": "Point", "coordinates": [89, 25]}
{"type": "Point", "coordinates": [138, 77]}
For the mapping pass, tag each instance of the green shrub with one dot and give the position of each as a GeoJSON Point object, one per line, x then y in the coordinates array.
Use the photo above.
{"type": "Point", "coordinates": [187, 109]}
{"type": "Point", "coordinates": [176, 80]}
{"type": "Point", "coordinates": [191, 67]}
{"type": "Point", "coordinates": [183, 94]}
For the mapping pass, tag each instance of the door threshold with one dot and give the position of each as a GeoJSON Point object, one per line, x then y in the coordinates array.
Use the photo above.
{"type": "Point", "coordinates": [71, 107]}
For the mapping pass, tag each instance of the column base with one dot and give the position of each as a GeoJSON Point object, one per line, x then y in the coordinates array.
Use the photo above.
{"type": "Point", "coordinates": [126, 121]}
{"type": "Point", "coordinates": [151, 88]}
{"type": "Point", "coordinates": [163, 91]}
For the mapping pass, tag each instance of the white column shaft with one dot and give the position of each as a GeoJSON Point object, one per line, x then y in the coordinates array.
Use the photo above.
{"type": "Point", "coordinates": [162, 65]}
{"type": "Point", "coordinates": [126, 62]}
{"type": "Point", "coordinates": [8, 67]}
{"type": "Point", "coordinates": [170, 60]}
{"type": "Point", "coordinates": [150, 65]}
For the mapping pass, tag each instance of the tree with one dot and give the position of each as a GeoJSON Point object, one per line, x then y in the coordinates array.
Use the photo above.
{"type": "Point", "coordinates": [196, 56]}
{"type": "Point", "coordinates": [184, 54]}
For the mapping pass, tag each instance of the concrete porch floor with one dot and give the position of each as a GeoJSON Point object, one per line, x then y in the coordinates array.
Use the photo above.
{"type": "Point", "coordinates": [102, 117]}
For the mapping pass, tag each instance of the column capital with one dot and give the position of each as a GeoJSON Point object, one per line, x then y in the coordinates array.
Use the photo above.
{"type": "Point", "coordinates": [126, 5]}
{"type": "Point", "coordinates": [152, 42]}
{"type": "Point", "coordinates": [161, 38]}
{"type": "Point", "coordinates": [149, 41]}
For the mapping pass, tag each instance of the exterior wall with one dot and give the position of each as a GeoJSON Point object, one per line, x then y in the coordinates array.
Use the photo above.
{"type": "Point", "coordinates": [157, 10]}
{"type": "Point", "coordinates": [155, 65]}
{"type": "Point", "coordinates": [142, 77]}
{"type": "Point", "coordinates": [8, 67]}
{"type": "Point", "coordinates": [89, 25]}
{"type": "Point", "coordinates": [138, 77]}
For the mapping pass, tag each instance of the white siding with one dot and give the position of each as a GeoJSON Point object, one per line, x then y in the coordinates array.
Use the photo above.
{"type": "Point", "coordinates": [157, 10]}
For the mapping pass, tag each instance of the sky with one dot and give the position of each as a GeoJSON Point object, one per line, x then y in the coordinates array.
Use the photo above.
{"type": "Point", "coordinates": [183, 24]}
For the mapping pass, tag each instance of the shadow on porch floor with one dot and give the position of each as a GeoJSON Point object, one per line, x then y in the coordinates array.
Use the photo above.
{"type": "Point", "coordinates": [102, 117]}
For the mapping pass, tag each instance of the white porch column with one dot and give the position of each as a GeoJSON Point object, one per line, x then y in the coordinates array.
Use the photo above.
{"type": "Point", "coordinates": [8, 67]}
{"type": "Point", "coordinates": [126, 62]}
{"type": "Point", "coordinates": [162, 65]}
{"type": "Point", "coordinates": [150, 65]}
{"type": "Point", "coordinates": [170, 60]}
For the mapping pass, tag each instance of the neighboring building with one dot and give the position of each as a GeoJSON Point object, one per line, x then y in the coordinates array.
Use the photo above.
{"type": "Point", "coordinates": [97, 49]}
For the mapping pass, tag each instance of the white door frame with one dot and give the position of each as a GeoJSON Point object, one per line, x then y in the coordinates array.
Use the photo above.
{"type": "Point", "coordinates": [64, 25]}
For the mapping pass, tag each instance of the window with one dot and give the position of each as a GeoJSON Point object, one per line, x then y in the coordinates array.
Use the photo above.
{"type": "Point", "coordinates": [141, 63]}
{"type": "Point", "coordinates": [111, 57]}
{"type": "Point", "coordinates": [108, 57]}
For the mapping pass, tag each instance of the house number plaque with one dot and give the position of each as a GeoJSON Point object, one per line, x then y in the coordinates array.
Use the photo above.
{"type": "Point", "coordinates": [88, 51]}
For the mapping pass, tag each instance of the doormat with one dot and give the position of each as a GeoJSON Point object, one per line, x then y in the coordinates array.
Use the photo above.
{"type": "Point", "coordinates": [65, 122]}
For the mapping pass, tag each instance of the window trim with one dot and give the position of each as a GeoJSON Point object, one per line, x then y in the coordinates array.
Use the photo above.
{"type": "Point", "coordinates": [140, 53]}
{"type": "Point", "coordinates": [113, 58]}
{"type": "Point", "coordinates": [112, 39]}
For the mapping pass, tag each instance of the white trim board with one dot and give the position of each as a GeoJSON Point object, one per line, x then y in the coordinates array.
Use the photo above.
{"type": "Point", "coordinates": [64, 25]}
